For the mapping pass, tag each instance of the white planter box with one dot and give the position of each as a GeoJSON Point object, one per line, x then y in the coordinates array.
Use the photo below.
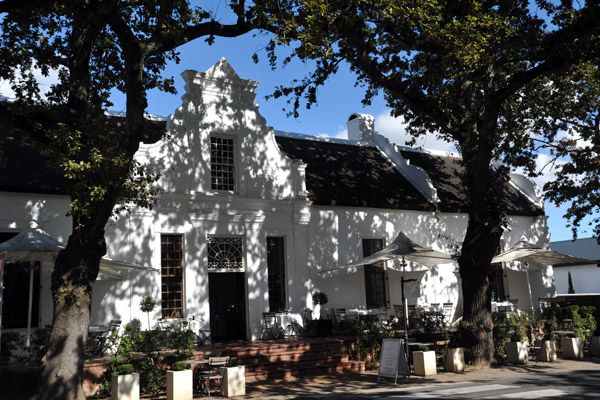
{"type": "Point", "coordinates": [234, 381]}
{"type": "Point", "coordinates": [180, 385]}
{"type": "Point", "coordinates": [516, 352]}
{"type": "Point", "coordinates": [571, 347]}
{"type": "Point", "coordinates": [455, 360]}
{"type": "Point", "coordinates": [424, 362]}
{"type": "Point", "coordinates": [595, 346]}
{"type": "Point", "coordinates": [126, 387]}
{"type": "Point", "coordinates": [547, 351]}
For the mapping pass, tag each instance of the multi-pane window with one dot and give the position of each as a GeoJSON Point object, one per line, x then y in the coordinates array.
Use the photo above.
{"type": "Point", "coordinates": [171, 254]}
{"type": "Point", "coordinates": [276, 273]}
{"type": "Point", "coordinates": [222, 168]}
{"type": "Point", "coordinates": [374, 275]}
{"type": "Point", "coordinates": [225, 254]}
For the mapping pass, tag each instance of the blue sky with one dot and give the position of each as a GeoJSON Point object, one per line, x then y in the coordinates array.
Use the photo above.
{"type": "Point", "coordinates": [337, 100]}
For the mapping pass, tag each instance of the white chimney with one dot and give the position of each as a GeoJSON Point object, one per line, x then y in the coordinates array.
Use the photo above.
{"type": "Point", "coordinates": [361, 127]}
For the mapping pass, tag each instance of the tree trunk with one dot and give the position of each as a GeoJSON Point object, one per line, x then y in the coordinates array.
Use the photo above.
{"type": "Point", "coordinates": [75, 271]}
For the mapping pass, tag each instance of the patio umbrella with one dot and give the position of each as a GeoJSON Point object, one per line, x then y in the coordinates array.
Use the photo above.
{"type": "Point", "coordinates": [402, 247]}
{"type": "Point", "coordinates": [35, 245]}
{"type": "Point", "coordinates": [533, 257]}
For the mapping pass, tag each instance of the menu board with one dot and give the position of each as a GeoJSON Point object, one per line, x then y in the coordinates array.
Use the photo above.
{"type": "Point", "coordinates": [393, 359]}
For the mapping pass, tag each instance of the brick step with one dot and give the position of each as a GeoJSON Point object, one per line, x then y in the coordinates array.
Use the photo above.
{"type": "Point", "coordinates": [264, 366]}
{"type": "Point", "coordinates": [282, 373]}
{"type": "Point", "coordinates": [284, 357]}
{"type": "Point", "coordinates": [278, 348]}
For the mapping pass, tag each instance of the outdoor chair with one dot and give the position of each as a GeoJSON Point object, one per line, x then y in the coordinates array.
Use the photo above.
{"type": "Point", "coordinates": [271, 329]}
{"type": "Point", "coordinates": [211, 379]}
{"type": "Point", "coordinates": [413, 321]}
{"type": "Point", "coordinates": [515, 302]}
{"type": "Point", "coordinates": [448, 312]}
{"type": "Point", "coordinates": [383, 313]}
{"type": "Point", "coordinates": [113, 330]}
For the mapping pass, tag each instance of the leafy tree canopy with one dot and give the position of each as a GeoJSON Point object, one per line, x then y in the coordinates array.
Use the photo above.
{"type": "Point", "coordinates": [480, 74]}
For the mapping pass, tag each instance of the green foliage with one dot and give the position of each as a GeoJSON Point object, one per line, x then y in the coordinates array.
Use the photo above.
{"type": "Point", "coordinates": [580, 320]}
{"type": "Point", "coordinates": [320, 298]}
{"type": "Point", "coordinates": [11, 341]}
{"type": "Point", "coordinates": [510, 326]}
{"type": "Point", "coordinates": [232, 362]}
{"type": "Point", "coordinates": [147, 304]}
{"type": "Point", "coordinates": [179, 366]}
{"type": "Point", "coordinates": [124, 369]}
{"type": "Point", "coordinates": [181, 339]}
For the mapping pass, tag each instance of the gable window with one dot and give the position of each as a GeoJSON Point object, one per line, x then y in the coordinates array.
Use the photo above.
{"type": "Point", "coordinates": [222, 164]}
{"type": "Point", "coordinates": [374, 275]}
{"type": "Point", "coordinates": [276, 273]}
{"type": "Point", "coordinates": [171, 266]}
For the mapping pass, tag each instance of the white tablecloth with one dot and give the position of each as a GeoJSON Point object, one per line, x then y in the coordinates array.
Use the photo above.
{"type": "Point", "coordinates": [98, 329]}
{"type": "Point", "coordinates": [503, 306]}
{"type": "Point", "coordinates": [360, 311]}
{"type": "Point", "coordinates": [430, 309]}
{"type": "Point", "coordinates": [285, 320]}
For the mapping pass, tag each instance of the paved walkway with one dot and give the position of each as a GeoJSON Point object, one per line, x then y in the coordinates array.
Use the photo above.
{"type": "Point", "coordinates": [348, 384]}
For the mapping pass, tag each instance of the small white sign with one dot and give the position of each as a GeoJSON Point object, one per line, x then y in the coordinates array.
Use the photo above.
{"type": "Point", "coordinates": [393, 359]}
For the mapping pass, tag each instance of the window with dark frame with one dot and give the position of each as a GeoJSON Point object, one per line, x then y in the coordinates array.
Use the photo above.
{"type": "Point", "coordinates": [276, 273]}
{"type": "Point", "coordinates": [374, 275]}
{"type": "Point", "coordinates": [171, 254]}
{"type": "Point", "coordinates": [497, 280]}
{"type": "Point", "coordinates": [222, 164]}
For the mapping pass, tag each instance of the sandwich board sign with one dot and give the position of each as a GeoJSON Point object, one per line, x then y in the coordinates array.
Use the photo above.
{"type": "Point", "coordinates": [393, 361]}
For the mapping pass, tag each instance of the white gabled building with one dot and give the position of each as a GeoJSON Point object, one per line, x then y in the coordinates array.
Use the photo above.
{"type": "Point", "coordinates": [249, 217]}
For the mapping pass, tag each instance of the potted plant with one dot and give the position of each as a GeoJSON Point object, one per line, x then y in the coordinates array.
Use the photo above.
{"type": "Point", "coordinates": [454, 357]}
{"type": "Point", "coordinates": [572, 347]}
{"type": "Point", "coordinates": [179, 381]}
{"type": "Point", "coordinates": [234, 378]}
{"type": "Point", "coordinates": [147, 305]}
{"type": "Point", "coordinates": [547, 346]}
{"type": "Point", "coordinates": [319, 327]}
{"type": "Point", "coordinates": [517, 349]}
{"type": "Point", "coordinates": [125, 383]}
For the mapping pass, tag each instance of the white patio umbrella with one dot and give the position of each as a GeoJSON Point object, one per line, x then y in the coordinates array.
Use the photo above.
{"type": "Point", "coordinates": [534, 258]}
{"type": "Point", "coordinates": [402, 247]}
{"type": "Point", "coordinates": [35, 245]}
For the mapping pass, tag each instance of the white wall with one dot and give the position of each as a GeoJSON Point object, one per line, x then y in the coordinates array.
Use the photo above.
{"type": "Point", "coordinates": [585, 278]}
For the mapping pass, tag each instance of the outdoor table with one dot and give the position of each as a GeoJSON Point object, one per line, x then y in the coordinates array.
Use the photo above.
{"type": "Point", "coordinates": [287, 321]}
{"type": "Point", "coordinates": [503, 306]}
{"type": "Point", "coordinates": [363, 313]}
{"type": "Point", "coordinates": [436, 310]}
{"type": "Point", "coordinates": [196, 365]}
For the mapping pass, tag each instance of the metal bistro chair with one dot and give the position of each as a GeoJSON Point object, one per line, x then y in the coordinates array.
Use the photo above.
{"type": "Point", "coordinates": [448, 312]}
{"type": "Point", "coordinates": [113, 330]}
{"type": "Point", "coordinates": [212, 379]}
{"type": "Point", "coordinates": [271, 329]}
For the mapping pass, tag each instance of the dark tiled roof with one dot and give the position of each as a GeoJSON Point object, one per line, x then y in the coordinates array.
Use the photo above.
{"type": "Point", "coordinates": [23, 169]}
{"type": "Point", "coordinates": [445, 174]}
{"type": "Point", "coordinates": [352, 176]}
{"type": "Point", "coordinates": [359, 176]}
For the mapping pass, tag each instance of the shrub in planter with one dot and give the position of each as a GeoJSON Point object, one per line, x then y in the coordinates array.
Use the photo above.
{"type": "Point", "coordinates": [179, 381]}
{"type": "Point", "coordinates": [125, 383]}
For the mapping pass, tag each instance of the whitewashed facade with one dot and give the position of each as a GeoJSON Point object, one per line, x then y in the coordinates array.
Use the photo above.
{"type": "Point", "coordinates": [268, 198]}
